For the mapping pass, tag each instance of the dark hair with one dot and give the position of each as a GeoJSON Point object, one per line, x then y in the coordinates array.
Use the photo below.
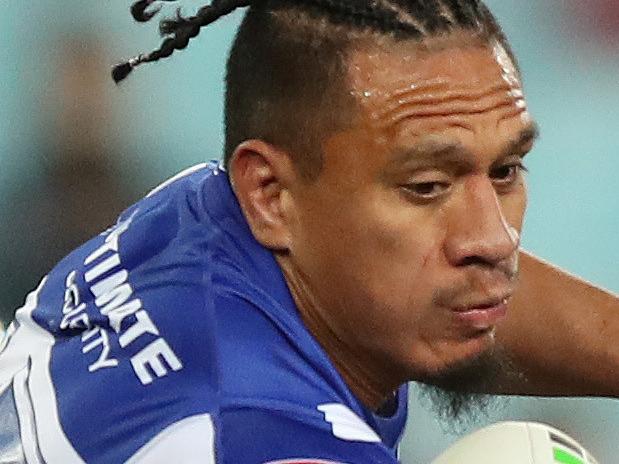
{"type": "Point", "coordinates": [285, 80]}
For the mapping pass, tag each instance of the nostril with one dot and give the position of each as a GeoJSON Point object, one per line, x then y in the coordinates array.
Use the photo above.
{"type": "Point", "coordinates": [472, 260]}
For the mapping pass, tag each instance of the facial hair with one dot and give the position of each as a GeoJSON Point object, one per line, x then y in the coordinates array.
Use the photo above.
{"type": "Point", "coordinates": [458, 394]}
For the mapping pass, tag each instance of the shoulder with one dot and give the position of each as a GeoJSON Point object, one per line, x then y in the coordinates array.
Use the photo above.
{"type": "Point", "coordinates": [138, 279]}
{"type": "Point", "coordinates": [151, 257]}
{"type": "Point", "coordinates": [169, 327]}
{"type": "Point", "coordinates": [120, 332]}
{"type": "Point", "coordinates": [136, 294]}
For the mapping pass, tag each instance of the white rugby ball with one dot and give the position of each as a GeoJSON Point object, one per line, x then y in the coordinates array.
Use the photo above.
{"type": "Point", "coordinates": [516, 443]}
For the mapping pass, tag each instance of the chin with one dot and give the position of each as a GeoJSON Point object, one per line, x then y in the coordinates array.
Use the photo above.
{"type": "Point", "coordinates": [429, 363]}
{"type": "Point", "coordinates": [460, 389]}
{"type": "Point", "coordinates": [475, 345]}
{"type": "Point", "coordinates": [476, 370]}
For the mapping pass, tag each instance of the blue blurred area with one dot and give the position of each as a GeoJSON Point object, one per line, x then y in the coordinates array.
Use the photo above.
{"type": "Point", "coordinates": [169, 115]}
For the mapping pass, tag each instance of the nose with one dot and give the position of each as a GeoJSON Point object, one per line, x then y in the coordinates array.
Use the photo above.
{"type": "Point", "coordinates": [478, 232]}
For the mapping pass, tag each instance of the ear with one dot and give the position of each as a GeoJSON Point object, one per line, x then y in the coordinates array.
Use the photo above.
{"type": "Point", "coordinates": [261, 175]}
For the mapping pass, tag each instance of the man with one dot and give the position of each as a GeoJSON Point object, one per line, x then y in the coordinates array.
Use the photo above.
{"type": "Point", "coordinates": [362, 231]}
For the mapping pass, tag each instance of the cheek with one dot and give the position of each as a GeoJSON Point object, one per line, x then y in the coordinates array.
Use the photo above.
{"type": "Point", "coordinates": [389, 258]}
{"type": "Point", "coordinates": [374, 264]}
{"type": "Point", "coordinates": [400, 248]}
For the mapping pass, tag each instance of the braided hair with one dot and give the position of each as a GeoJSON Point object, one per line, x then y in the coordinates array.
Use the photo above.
{"type": "Point", "coordinates": [285, 72]}
{"type": "Point", "coordinates": [412, 18]}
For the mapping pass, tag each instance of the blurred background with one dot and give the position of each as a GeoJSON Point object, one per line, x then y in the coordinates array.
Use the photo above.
{"type": "Point", "coordinates": [75, 150]}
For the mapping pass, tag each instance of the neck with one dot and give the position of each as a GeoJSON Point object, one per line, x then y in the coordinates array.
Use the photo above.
{"type": "Point", "coordinates": [369, 379]}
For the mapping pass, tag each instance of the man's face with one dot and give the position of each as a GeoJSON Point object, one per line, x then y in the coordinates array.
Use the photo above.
{"type": "Point", "coordinates": [411, 231]}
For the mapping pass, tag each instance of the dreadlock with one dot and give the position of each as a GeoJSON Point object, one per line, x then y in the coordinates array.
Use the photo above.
{"type": "Point", "coordinates": [285, 72]}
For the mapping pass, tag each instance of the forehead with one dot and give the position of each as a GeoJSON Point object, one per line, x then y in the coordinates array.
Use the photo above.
{"type": "Point", "coordinates": [388, 72]}
{"type": "Point", "coordinates": [451, 93]}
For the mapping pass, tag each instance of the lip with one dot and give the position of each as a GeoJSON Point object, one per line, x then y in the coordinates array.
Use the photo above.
{"type": "Point", "coordinates": [482, 316]}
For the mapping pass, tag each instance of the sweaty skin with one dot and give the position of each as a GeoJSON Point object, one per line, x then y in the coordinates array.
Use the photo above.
{"type": "Point", "coordinates": [416, 213]}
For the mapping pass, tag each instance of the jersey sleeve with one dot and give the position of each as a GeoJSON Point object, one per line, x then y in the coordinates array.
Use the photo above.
{"type": "Point", "coordinates": [291, 434]}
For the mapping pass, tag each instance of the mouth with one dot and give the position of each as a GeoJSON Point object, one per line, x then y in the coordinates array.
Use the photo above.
{"type": "Point", "coordinates": [483, 315]}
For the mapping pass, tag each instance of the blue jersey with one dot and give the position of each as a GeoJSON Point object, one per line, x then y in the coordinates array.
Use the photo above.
{"type": "Point", "coordinates": [173, 338]}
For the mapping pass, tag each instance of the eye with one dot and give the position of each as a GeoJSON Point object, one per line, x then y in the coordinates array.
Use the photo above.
{"type": "Point", "coordinates": [507, 174]}
{"type": "Point", "coordinates": [426, 190]}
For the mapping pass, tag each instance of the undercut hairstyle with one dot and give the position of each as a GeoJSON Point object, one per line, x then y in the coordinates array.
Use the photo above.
{"type": "Point", "coordinates": [286, 72]}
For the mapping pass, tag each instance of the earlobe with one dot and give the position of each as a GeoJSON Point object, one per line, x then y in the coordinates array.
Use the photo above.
{"type": "Point", "coordinates": [260, 174]}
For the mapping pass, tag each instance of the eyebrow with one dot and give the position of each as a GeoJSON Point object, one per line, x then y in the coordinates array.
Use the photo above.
{"type": "Point", "coordinates": [454, 153]}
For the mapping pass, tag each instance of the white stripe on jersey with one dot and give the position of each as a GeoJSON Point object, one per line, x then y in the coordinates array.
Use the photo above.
{"type": "Point", "coordinates": [189, 441]}
{"type": "Point", "coordinates": [27, 428]}
{"type": "Point", "coordinates": [346, 425]}
{"type": "Point", "coordinates": [183, 173]}
{"type": "Point", "coordinates": [29, 345]}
